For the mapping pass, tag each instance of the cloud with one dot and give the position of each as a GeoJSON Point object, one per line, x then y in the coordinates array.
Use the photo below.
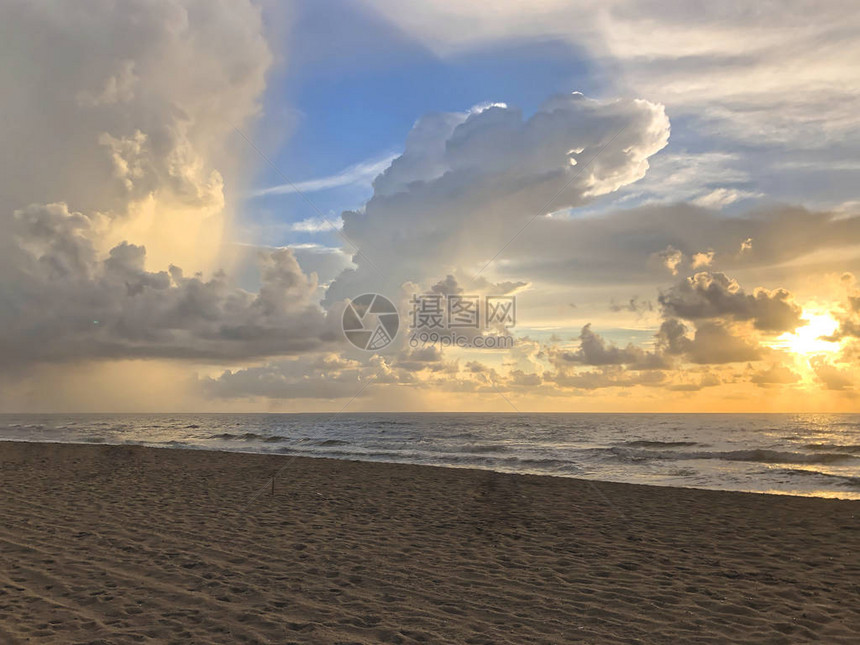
{"type": "Point", "coordinates": [672, 337]}
{"type": "Point", "coordinates": [720, 63]}
{"type": "Point", "coordinates": [714, 295]}
{"type": "Point", "coordinates": [695, 384]}
{"type": "Point", "coordinates": [706, 178]}
{"type": "Point", "coordinates": [360, 173]}
{"type": "Point", "coordinates": [720, 70]}
{"type": "Point", "coordinates": [633, 305]}
{"type": "Point", "coordinates": [832, 377]}
{"type": "Point", "coordinates": [612, 376]}
{"type": "Point", "coordinates": [326, 376]}
{"type": "Point", "coordinates": [126, 111]}
{"type": "Point", "coordinates": [424, 155]}
{"type": "Point", "coordinates": [467, 182]}
{"type": "Point", "coordinates": [332, 376]}
{"type": "Point", "coordinates": [317, 225]}
{"type": "Point", "coordinates": [701, 259]}
{"type": "Point", "coordinates": [774, 375]}
{"type": "Point", "coordinates": [720, 197]}
{"type": "Point", "coordinates": [620, 249]}
{"type": "Point", "coordinates": [670, 258]}
{"type": "Point", "coordinates": [594, 350]}
{"type": "Point", "coordinates": [847, 314]}
{"type": "Point", "coordinates": [62, 301]}
{"type": "Point", "coordinates": [447, 286]}
{"type": "Point", "coordinates": [326, 262]}
{"type": "Point", "coordinates": [714, 343]}
{"type": "Point", "coordinates": [121, 119]}
{"type": "Point", "coordinates": [423, 358]}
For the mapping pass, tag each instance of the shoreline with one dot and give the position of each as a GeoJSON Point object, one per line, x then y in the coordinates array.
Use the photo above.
{"type": "Point", "coordinates": [290, 455]}
{"type": "Point", "coordinates": [124, 543]}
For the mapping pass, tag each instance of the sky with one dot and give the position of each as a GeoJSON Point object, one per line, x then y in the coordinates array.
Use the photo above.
{"type": "Point", "coordinates": [196, 191]}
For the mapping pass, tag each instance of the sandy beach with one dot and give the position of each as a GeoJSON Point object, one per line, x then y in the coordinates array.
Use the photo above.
{"type": "Point", "coordinates": [128, 544]}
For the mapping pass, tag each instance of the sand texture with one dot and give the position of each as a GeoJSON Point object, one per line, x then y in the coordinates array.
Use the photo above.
{"type": "Point", "coordinates": [111, 544]}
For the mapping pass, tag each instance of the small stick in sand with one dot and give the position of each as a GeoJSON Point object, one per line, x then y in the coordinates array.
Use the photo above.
{"type": "Point", "coordinates": [273, 483]}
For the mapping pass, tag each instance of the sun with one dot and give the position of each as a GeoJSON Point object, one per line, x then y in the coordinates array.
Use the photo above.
{"type": "Point", "coordinates": [811, 338]}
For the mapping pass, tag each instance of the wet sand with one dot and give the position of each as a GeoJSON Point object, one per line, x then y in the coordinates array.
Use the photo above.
{"type": "Point", "coordinates": [128, 544]}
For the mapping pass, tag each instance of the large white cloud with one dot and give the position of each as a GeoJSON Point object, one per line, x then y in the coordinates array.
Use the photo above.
{"type": "Point", "coordinates": [466, 184]}
{"type": "Point", "coordinates": [770, 86]}
{"type": "Point", "coordinates": [125, 109]}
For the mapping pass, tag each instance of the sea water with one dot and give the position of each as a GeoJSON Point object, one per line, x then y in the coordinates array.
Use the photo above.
{"type": "Point", "coordinates": [800, 454]}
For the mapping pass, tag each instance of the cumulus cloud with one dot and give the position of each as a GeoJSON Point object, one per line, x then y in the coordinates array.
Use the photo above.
{"type": "Point", "coordinates": [126, 110]}
{"type": "Point", "coordinates": [63, 301]}
{"type": "Point", "coordinates": [712, 327]}
{"type": "Point", "coordinates": [714, 343]}
{"type": "Point", "coordinates": [326, 262]}
{"type": "Point", "coordinates": [423, 358]}
{"type": "Point", "coordinates": [701, 259]}
{"type": "Point", "coordinates": [708, 343]}
{"type": "Point", "coordinates": [709, 295]}
{"type": "Point", "coordinates": [120, 120]}
{"type": "Point", "coordinates": [594, 350]}
{"type": "Point", "coordinates": [686, 355]}
{"type": "Point", "coordinates": [467, 182]}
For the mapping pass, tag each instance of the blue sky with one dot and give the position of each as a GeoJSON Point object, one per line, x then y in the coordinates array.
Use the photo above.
{"type": "Point", "coordinates": [352, 83]}
{"type": "Point", "coordinates": [356, 85]}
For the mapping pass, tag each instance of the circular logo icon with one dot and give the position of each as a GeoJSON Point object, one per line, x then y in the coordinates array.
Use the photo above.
{"type": "Point", "coordinates": [370, 322]}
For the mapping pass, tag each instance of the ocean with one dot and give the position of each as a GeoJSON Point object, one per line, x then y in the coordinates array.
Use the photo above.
{"type": "Point", "coordinates": [799, 454]}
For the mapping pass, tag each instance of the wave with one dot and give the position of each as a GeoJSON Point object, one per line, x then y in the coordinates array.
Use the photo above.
{"type": "Point", "coordinates": [436, 458]}
{"type": "Point", "coordinates": [659, 444]}
{"type": "Point", "coordinates": [248, 436]}
{"type": "Point", "coordinates": [760, 455]}
{"type": "Point", "coordinates": [842, 480]}
{"type": "Point", "coordinates": [488, 447]}
{"type": "Point", "coordinates": [834, 447]}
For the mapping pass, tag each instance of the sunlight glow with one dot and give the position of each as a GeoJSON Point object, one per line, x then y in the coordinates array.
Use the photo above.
{"type": "Point", "coordinates": [810, 339]}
